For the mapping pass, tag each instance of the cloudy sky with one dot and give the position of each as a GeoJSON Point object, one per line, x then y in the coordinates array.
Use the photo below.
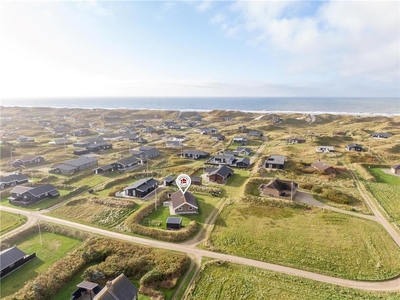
{"type": "Point", "coordinates": [200, 48]}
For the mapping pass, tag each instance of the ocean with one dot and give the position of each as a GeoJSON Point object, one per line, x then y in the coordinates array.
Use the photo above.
{"type": "Point", "coordinates": [331, 105]}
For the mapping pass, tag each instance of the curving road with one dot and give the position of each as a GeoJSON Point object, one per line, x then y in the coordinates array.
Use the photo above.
{"type": "Point", "coordinates": [389, 285]}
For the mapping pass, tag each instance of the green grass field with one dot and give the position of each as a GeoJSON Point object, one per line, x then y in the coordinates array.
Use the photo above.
{"type": "Point", "coordinates": [10, 221]}
{"type": "Point", "coordinates": [54, 248]}
{"type": "Point", "coordinates": [383, 177]}
{"type": "Point", "coordinates": [231, 281]}
{"type": "Point", "coordinates": [206, 206]}
{"type": "Point", "coordinates": [315, 240]}
{"type": "Point", "coordinates": [388, 196]}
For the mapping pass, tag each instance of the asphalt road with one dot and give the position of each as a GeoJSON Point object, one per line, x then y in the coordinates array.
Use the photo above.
{"type": "Point", "coordinates": [389, 285]}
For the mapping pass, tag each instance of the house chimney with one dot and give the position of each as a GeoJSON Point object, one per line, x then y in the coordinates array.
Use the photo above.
{"type": "Point", "coordinates": [109, 285]}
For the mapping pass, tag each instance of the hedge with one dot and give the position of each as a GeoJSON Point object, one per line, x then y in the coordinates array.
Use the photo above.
{"type": "Point", "coordinates": [132, 224]}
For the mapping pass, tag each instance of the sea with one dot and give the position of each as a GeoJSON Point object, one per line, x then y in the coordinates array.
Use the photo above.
{"type": "Point", "coordinates": [321, 105]}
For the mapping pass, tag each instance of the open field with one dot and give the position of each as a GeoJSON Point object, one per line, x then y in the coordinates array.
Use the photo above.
{"type": "Point", "coordinates": [388, 196]}
{"type": "Point", "coordinates": [315, 240]}
{"type": "Point", "coordinates": [9, 221]}
{"type": "Point", "coordinates": [222, 280]}
{"type": "Point", "coordinates": [53, 249]}
{"type": "Point", "coordinates": [83, 210]}
{"type": "Point", "coordinates": [386, 190]}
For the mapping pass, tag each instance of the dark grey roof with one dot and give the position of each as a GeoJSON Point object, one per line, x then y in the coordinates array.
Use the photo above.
{"type": "Point", "coordinates": [121, 289]}
{"type": "Point", "coordinates": [94, 140]}
{"type": "Point", "coordinates": [10, 256]}
{"type": "Point", "coordinates": [354, 145]}
{"type": "Point", "coordinates": [127, 161]}
{"type": "Point", "coordinates": [245, 160]}
{"type": "Point", "coordinates": [223, 171]}
{"type": "Point", "coordinates": [65, 167]}
{"type": "Point", "coordinates": [149, 150]}
{"type": "Point", "coordinates": [396, 167]}
{"type": "Point", "coordinates": [244, 149]}
{"type": "Point", "coordinates": [28, 157]}
{"type": "Point", "coordinates": [142, 184]}
{"type": "Point", "coordinates": [173, 143]}
{"type": "Point", "coordinates": [174, 220]}
{"type": "Point", "coordinates": [42, 189]}
{"type": "Point", "coordinates": [105, 167]}
{"type": "Point", "coordinates": [20, 189]}
{"type": "Point", "coordinates": [169, 178]}
{"type": "Point", "coordinates": [77, 162]}
{"type": "Point", "coordinates": [276, 159]}
{"type": "Point", "coordinates": [195, 152]}
{"type": "Point", "coordinates": [13, 177]}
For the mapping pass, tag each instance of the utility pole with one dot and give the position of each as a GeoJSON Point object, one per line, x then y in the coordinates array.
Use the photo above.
{"type": "Point", "coordinates": [40, 234]}
{"type": "Point", "coordinates": [155, 202]}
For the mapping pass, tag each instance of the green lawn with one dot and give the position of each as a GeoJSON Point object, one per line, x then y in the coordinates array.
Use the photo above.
{"type": "Point", "coordinates": [10, 221]}
{"type": "Point", "coordinates": [232, 281]}
{"type": "Point", "coordinates": [311, 239]}
{"type": "Point", "coordinates": [206, 206]}
{"type": "Point", "coordinates": [54, 248]}
{"type": "Point", "coordinates": [388, 196]}
{"type": "Point", "coordinates": [92, 180]}
{"type": "Point", "coordinates": [383, 177]}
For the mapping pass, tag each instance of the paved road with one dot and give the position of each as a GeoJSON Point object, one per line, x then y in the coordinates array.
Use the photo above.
{"type": "Point", "coordinates": [389, 285]}
{"type": "Point", "coordinates": [308, 199]}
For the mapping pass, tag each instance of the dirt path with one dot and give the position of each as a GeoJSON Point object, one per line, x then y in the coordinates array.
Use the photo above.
{"type": "Point", "coordinates": [306, 198]}
{"type": "Point", "coordinates": [388, 285]}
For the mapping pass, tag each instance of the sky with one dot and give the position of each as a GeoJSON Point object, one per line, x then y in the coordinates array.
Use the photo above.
{"type": "Point", "coordinates": [200, 48]}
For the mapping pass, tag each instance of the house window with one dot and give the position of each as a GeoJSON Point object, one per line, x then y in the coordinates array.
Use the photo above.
{"type": "Point", "coordinates": [180, 208]}
{"type": "Point", "coordinates": [190, 207]}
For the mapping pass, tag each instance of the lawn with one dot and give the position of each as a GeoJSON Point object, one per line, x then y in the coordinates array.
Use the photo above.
{"type": "Point", "coordinates": [383, 177]}
{"type": "Point", "coordinates": [206, 206]}
{"type": "Point", "coordinates": [9, 221]}
{"type": "Point", "coordinates": [319, 241]}
{"type": "Point", "coordinates": [54, 248]}
{"type": "Point", "coordinates": [232, 281]}
{"type": "Point", "coordinates": [388, 196]}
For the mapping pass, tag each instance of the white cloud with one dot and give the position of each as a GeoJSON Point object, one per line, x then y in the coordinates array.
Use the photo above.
{"type": "Point", "coordinates": [349, 38]}
{"type": "Point", "coordinates": [204, 5]}
{"type": "Point", "coordinates": [95, 6]}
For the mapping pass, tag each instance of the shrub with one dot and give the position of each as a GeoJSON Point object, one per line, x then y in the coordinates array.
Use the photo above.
{"type": "Point", "coordinates": [316, 189]}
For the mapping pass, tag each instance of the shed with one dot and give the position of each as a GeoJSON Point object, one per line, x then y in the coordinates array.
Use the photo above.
{"type": "Point", "coordinates": [174, 223]}
{"type": "Point", "coordinates": [169, 180]}
{"type": "Point", "coordinates": [13, 258]}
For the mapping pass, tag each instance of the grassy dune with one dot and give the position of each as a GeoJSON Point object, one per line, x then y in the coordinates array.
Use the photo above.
{"type": "Point", "coordinates": [231, 281]}
{"type": "Point", "coordinates": [318, 241]}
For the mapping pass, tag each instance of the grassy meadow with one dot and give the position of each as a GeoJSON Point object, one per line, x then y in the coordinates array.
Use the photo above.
{"type": "Point", "coordinates": [223, 280]}
{"type": "Point", "coordinates": [319, 241]}
{"type": "Point", "coordinates": [10, 221]}
{"type": "Point", "coordinates": [83, 210]}
{"type": "Point", "coordinates": [53, 249]}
